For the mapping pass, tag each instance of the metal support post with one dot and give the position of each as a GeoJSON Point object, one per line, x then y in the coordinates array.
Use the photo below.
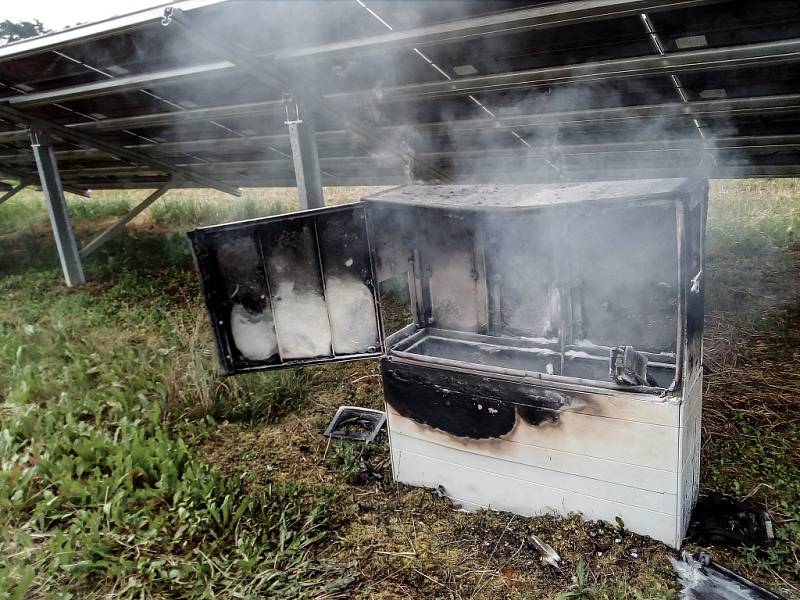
{"type": "Point", "coordinates": [127, 218]}
{"type": "Point", "coordinates": [57, 207]}
{"type": "Point", "coordinates": [303, 138]}
{"type": "Point", "coordinates": [14, 191]}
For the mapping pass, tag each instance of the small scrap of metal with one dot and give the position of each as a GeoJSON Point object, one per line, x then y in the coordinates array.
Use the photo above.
{"type": "Point", "coordinates": [723, 521]}
{"type": "Point", "coordinates": [549, 555]}
{"type": "Point", "coordinates": [629, 367]}
{"type": "Point", "coordinates": [703, 579]}
{"type": "Point", "coordinates": [356, 423]}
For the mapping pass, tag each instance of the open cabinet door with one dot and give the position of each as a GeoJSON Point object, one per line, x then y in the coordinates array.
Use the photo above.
{"type": "Point", "coordinates": [290, 290]}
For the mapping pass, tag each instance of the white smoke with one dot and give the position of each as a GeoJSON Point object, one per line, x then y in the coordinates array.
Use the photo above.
{"type": "Point", "coordinates": [301, 319]}
{"type": "Point", "coordinates": [351, 307]}
{"type": "Point", "coordinates": [253, 333]}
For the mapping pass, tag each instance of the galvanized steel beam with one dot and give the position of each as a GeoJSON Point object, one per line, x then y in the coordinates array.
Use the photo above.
{"type": "Point", "coordinates": [379, 179]}
{"type": "Point", "coordinates": [556, 14]}
{"type": "Point", "coordinates": [763, 105]}
{"type": "Point", "coordinates": [116, 85]}
{"type": "Point", "coordinates": [14, 191]}
{"type": "Point", "coordinates": [163, 118]}
{"type": "Point", "coordinates": [493, 176]}
{"type": "Point", "coordinates": [91, 31]}
{"type": "Point", "coordinates": [224, 169]}
{"type": "Point", "coordinates": [304, 156]}
{"type": "Point", "coordinates": [274, 107]}
{"type": "Point", "coordinates": [746, 55]}
{"type": "Point", "coordinates": [65, 133]}
{"type": "Point", "coordinates": [57, 208]}
{"type": "Point", "coordinates": [117, 227]}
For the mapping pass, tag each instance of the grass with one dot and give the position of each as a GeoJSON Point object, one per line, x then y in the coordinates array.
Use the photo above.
{"type": "Point", "coordinates": [752, 338]}
{"type": "Point", "coordinates": [184, 209]}
{"type": "Point", "coordinates": [130, 469]}
{"type": "Point", "coordinates": [104, 389]}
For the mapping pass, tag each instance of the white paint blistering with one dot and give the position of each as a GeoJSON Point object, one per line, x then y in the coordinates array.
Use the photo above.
{"type": "Point", "coordinates": [353, 321]}
{"type": "Point", "coordinates": [301, 320]}
{"type": "Point", "coordinates": [253, 333]}
{"type": "Point", "coordinates": [348, 262]}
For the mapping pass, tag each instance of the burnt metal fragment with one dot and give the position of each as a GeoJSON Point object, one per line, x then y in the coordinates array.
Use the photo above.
{"type": "Point", "coordinates": [724, 521]}
{"type": "Point", "coordinates": [549, 555]}
{"type": "Point", "coordinates": [629, 367]}
{"type": "Point", "coordinates": [703, 579]}
{"type": "Point", "coordinates": [356, 423]}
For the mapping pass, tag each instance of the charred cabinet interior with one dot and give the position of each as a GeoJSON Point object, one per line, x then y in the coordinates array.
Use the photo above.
{"type": "Point", "coordinates": [553, 359]}
{"type": "Point", "coordinates": [549, 290]}
{"type": "Point", "coordinates": [290, 290]}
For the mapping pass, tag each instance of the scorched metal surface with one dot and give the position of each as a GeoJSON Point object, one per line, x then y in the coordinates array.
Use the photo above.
{"type": "Point", "coordinates": [554, 361]}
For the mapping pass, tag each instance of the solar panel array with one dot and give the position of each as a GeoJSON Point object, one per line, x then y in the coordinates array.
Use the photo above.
{"type": "Point", "coordinates": [458, 90]}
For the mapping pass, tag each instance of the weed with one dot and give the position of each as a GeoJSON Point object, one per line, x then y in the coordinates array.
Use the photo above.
{"type": "Point", "coordinates": [188, 212]}
{"type": "Point", "coordinates": [348, 457]}
{"type": "Point", "coordinates": [100, 492]}
{"type": "Point", "coordinates": [361, 462]}
{"type": "Point", "coordinates": [580, 588]}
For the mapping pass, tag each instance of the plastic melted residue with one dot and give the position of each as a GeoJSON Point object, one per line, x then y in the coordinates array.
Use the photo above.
{"type": "Point", "coordinates": [302, 322]}
{"type": "Point", "coordinates": [253, 333]}
{"type": "Point", "coordinates": [352, 316]}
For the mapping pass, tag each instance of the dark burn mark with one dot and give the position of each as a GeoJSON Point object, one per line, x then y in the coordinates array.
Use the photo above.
{"type": "Point", "coordinates": [534, 415]}
{"type": "Point", "coordinates": [416, 395]}
{"type": "Point", "coordinates": [466, 404]}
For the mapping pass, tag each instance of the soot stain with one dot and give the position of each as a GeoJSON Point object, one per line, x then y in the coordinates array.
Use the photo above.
{"type": "Point", "coordinates": [467, 405]}
{"type": "Point", "coordinates": [452, 411]}
{"type": "Point", "coordinates": [534, 415]}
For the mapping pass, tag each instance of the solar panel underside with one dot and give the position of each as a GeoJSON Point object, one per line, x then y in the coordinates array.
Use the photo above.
{"type": "Point", "coordinates": [505, 92]}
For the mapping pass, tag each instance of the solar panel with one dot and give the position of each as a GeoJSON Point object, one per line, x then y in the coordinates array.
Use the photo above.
{"type": "Point", "coordinates": [455, 91]}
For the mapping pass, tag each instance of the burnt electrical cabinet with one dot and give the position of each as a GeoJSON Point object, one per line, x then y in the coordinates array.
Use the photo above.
{"type": "Point", "coordinates": [552, 359]}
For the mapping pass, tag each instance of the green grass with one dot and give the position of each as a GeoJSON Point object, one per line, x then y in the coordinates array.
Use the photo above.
{"type": "Point", "coordinates": [103, 392]}
{"type": "Point", "coordinates": [180, 209]}
{"type": "Point", "coordinates": [751, 344]}
{"type": "Point", "coordinates": [28, 209]}
{"type": "Point", "coordinates": [130, 469]}
{"type": "Point", "coordinates": [187, 211]}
